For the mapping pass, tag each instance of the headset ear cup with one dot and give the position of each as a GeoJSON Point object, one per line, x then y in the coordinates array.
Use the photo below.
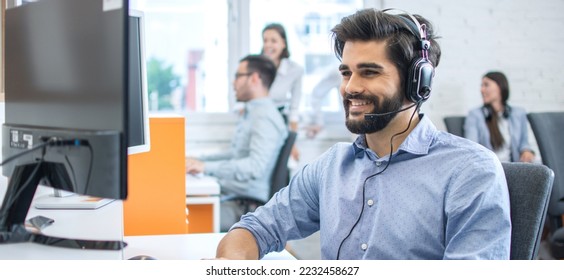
{"type": "Point", "coordinates": [419, 81]}
{"type": "Point", "coordinates": [507, 111]}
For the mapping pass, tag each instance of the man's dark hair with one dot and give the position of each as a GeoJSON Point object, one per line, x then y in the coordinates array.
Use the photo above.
{"type": "Point", "coordinates": [263, 66]}
{"type": "Point", "coordinates": [402, 45]}
{"type": "Point", "coordinates": [280, 29]}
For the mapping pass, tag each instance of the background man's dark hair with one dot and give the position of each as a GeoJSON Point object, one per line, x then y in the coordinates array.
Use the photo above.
{"type": "Point", "coordinates": [402, 45]}
{"type": "Point", "coordinates": [263, 66]}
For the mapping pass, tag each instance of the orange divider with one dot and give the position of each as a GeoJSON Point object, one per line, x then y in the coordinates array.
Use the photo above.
{"type": "Point", "coordinates": [156, 202]}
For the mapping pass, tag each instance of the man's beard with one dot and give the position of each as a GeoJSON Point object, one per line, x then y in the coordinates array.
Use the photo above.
{"type": "Point", "coordinates": [370, 126]}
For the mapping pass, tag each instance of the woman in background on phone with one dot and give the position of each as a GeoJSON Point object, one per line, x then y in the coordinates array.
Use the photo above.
{"type": "Point", "coordinates": [498, 126]}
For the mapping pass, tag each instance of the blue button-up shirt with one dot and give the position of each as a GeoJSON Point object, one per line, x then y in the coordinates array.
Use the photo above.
{"type": "Point", "coordinates": [245, 169]}
{"type": "Point", "coordinates": [441, 197]}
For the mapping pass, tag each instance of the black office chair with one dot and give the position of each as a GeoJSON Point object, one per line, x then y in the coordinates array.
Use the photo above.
{"type": "Point", "coordinates": [280, 174]}
{"type": "Point", "coordinates": [547, 127]}
{"type": "Point", "coordinates": [529, 191]}
{"type": "Point", "coordinates": [455, 125]}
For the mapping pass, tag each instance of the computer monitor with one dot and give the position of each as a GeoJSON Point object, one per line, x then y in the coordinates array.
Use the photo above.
{"type": "Point", "coordinates": [138, 119]}
{"type": "Point", "coordinates": [66, 81]}
{"type": "Point", "coordinates": [139, 140]}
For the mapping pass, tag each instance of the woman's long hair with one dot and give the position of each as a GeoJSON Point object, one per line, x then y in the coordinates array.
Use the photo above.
{"type": "Point", "coordinates": [496, 139]}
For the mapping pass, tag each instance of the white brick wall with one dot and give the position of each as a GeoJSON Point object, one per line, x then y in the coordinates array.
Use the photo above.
{"type": "Point", "coordinates": [524, 39]}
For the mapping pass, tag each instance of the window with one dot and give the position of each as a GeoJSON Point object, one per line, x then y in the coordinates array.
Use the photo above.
{"type": "Point", "coordinates": [186, 53]}
{"type": "Point", "coordinates": [193, 46]}
{"type": "Point", "coordinates": [308, 24]}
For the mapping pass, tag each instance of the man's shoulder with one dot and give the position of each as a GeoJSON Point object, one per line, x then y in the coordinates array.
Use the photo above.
{"type": "Point", "coordinates": [460, 147]}
{"type": "Point", "coordinates": [267, 111]}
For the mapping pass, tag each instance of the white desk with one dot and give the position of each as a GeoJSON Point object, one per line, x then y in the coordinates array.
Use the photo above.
{"type": "Point", "coordinates": [106, 223]}
{"type": "Point", "coordinates": [203, 190]}
{"type": "Point", "coordinates": [183, 247]}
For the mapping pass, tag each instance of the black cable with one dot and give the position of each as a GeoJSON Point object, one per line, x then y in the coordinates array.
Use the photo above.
{"type": "Point", "coordinates": [25, 152]}
{"type": "Point", "coordinates": [52, 141]}
{"type": "Point", "coordinates": [72, 170]}
{"type": "Point", "coordinates": [14, 198]}
{"type": "Point", "coordinates": [90, 168]}
{"type": "Point", "coordinates": [418, 104]}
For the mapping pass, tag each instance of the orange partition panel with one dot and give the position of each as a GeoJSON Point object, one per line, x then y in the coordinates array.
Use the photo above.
{"type": "Point", "coordinates": [156, 202]}
{"type": "Point", "coordinates": [200, 217]}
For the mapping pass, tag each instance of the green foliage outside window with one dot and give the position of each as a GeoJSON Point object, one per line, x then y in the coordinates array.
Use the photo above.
{"type": "Point", "coordinates": [162, 81]}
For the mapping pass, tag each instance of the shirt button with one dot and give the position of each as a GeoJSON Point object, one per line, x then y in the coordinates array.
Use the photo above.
{"type": "Point", "coordinates": [370, 202]}
{"type": "Point", "coordinates": [364, 246]}
{"type": "Point", "coordinates": [378, 163]}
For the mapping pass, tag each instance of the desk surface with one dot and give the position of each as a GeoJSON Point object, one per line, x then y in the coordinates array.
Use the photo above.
{"type": "Point", "coordinates": [106, 223]}
{"type": "Point", "coordinates": [183, 247]}
{"type": "Point", "coordinates": [201, 185]}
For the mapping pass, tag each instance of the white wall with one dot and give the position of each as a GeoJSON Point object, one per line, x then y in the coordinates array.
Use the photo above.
{"type": "Point", "coordinates": [521, 38]}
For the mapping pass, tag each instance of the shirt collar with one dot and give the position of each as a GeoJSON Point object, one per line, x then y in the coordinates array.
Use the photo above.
{"type": "Point", "coordinates": [417, 142]}
{"type": "Point", "coordinates": [283, 67]}
{"type": "Point", "coordinates": [256, 102]}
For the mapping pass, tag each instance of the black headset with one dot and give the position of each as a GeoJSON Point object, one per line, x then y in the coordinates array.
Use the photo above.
{"type": "Point", "coordinates": [488, 111]}
{"type": "Point", "coordinates": [421, 71]}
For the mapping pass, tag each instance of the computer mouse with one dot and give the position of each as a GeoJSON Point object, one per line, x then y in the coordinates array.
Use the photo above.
{"type": "Point", "coordinates": [142, 257]}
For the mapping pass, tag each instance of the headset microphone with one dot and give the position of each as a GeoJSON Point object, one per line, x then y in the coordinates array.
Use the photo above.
{"type": "Point", "coordinates": [371, 117]}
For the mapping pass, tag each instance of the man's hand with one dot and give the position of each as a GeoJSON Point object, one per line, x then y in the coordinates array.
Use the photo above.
{"type": "Point", "coordinates": [194, 166]}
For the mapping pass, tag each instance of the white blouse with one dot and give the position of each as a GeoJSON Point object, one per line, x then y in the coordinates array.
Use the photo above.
{"type": "Point", "coordinates": [286, 90]}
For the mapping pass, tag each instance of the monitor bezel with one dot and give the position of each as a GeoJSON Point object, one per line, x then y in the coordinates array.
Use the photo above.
{"type": "Point", "coordinates": [146, 146]}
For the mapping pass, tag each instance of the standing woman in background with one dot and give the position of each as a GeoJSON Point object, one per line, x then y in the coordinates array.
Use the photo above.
{"type": "Point", "coordinates": [498, 126]}
{"type": "Point", "coordinates": [286, 91]}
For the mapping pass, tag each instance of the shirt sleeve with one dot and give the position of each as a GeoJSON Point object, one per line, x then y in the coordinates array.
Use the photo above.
{"type": "Point", "coordinates": [477, 212]}
{"type": "Point", "coordinates": [264, 145]}
{"type": "Point", "coordinates": [218, 156]}
{"type": "Point", "coordinates": [292, 213]}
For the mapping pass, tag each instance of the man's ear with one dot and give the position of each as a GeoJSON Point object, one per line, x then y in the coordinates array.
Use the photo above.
{"type": "Point", "coordinates": [255, 78]}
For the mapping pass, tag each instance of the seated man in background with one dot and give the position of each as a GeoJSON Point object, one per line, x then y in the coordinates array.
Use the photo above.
{"type": "Point", "coordinates": [245, 169]}
{"type": "Point", "coordinates": [403, 189]}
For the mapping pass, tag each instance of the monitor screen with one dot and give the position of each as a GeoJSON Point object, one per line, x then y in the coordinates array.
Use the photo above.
{"type": "Point", "coordinates": [66, 82]}
{"type": "Point", "coordinates": [138, 126]}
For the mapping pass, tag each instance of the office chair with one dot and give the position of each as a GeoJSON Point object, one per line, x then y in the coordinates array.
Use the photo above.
{"type": "Point", "coordinates": [455, 125]}
{"type": "Point", "coordinates": [529, 192]}
{"type": "Point", "coordinates": [280, 174]}
{"type": "Point", "coordinates": [547, 128]}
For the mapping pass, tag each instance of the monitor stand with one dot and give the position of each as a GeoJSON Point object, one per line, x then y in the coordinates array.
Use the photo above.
{"type": "Point", "coordinates": [70, 201]}
{"type": "Point", "coordinates": [19, 195]}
